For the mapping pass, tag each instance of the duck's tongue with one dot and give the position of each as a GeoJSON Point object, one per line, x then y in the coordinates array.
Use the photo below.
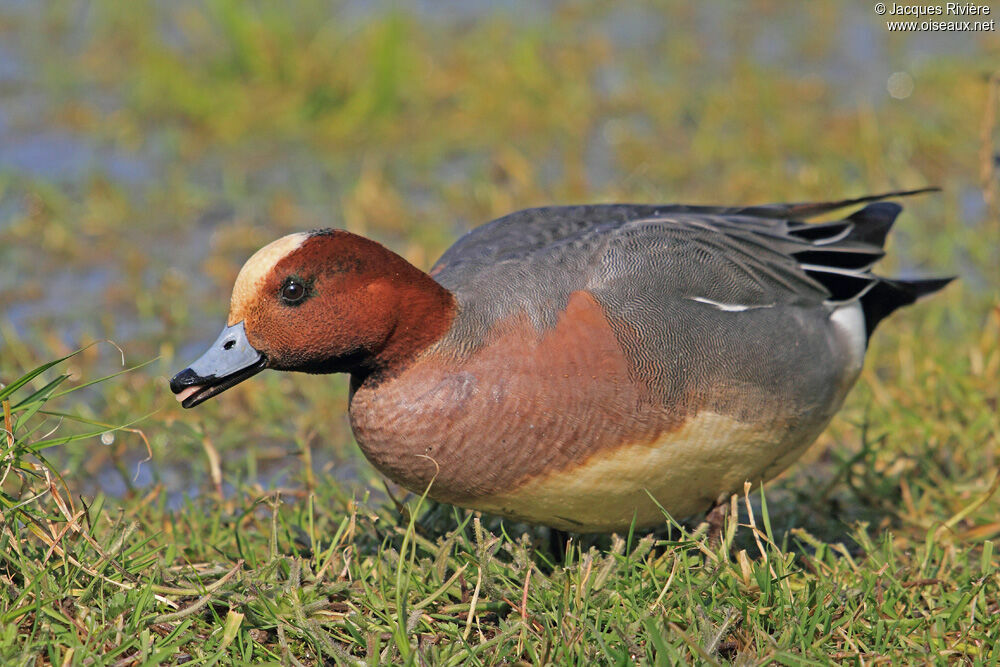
{"type": "Point", "coordinates": [193, 389]}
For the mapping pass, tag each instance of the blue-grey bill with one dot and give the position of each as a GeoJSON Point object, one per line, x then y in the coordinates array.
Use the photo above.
{"type": "Point", "coordinates": [228, 361]}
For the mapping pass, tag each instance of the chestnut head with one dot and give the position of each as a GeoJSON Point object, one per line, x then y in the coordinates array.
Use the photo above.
{"type": "Point", "coordinates": [325, 301]}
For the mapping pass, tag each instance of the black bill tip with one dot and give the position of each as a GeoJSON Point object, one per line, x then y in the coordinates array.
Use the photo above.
{"type": "Point", "coordinates": [193, 389]}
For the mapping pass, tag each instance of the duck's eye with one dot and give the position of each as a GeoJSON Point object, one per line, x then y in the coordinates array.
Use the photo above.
{"type": "Point", "coordinates": [293, 291]}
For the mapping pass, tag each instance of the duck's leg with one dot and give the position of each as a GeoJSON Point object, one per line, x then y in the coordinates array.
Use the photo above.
{"type": "Point", "coordinates": [716, 520]}
{"type": "Point", "coordinates": [558, 542]}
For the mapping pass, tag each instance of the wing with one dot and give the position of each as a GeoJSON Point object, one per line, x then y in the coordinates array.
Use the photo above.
{"type": "Point", "coordinates": [525, 232]}
{"type": "Point", "coordinates": [714, 308]}
{"type": "Point", "coordinates": [530, 261]}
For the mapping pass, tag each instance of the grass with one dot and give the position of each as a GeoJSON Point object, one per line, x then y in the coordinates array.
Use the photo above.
{"type": "Point", "coordinates": [315, 576]}
{"type": "Point", "coordinates": [251, 530]}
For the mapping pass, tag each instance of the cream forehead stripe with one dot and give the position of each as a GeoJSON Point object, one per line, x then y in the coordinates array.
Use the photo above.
{"type": "Point", "coordinates": [255, 271]}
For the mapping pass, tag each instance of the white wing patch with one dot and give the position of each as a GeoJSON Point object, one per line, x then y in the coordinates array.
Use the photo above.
{"type": "Point", "coordinates": [728, 307]}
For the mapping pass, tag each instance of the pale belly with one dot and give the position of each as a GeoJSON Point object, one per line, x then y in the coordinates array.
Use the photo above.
{"type": "Point", "coordinates": [682, 473]}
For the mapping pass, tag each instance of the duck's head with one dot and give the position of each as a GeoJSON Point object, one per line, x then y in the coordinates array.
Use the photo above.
{"type": "Point", "coordinates": [325, 301]}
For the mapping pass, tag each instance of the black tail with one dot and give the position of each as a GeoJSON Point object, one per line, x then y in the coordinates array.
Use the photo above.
{"type": "Point", "coordinates": [842, 251]}
{"type": "Point", "coordinates": [838, 254]}
{"type": "Point", "coordinates": [873, 222]}
{"type": "Point", "coordinates": [867, 227]}
{"type": "Point", "coordinates": [872, 225]}
{"type": "Point", "coordinates": [889, 294]}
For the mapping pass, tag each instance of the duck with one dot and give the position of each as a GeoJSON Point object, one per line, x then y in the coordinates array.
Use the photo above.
{"type": "Point", "coordinates": [591, 368]}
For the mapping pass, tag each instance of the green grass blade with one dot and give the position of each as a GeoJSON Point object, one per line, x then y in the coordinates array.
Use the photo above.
{"type": "Point", "coordinates": [41, 395]}
{"type": "Point", "coordinates": [9, 390]}
{"type": "Point", "coordinates": [55, 442]}
{"type": "Point", "coordinates": [105, 378]}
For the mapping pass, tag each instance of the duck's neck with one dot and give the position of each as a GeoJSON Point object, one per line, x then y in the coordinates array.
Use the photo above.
{"type": "Point", "coordinates": [423, 312]}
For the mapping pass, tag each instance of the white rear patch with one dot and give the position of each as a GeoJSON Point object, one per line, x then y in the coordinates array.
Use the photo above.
{"type": "Point", "coordinates": [255, 271]}
{"type": "Point", "coordinates": [728, 307]}
{"type": "Point", "coordinates": [849, 321]}
{"type": "Point", "coordinates": [686, 471]}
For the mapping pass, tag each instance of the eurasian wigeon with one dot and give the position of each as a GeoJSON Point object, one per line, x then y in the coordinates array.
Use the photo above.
{"type": "Point", "coordinates": [568, 365]}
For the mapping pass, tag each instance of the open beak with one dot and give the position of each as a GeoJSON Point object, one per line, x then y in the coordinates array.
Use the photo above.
{"type": "Point", "coordinates": [230, 360]}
